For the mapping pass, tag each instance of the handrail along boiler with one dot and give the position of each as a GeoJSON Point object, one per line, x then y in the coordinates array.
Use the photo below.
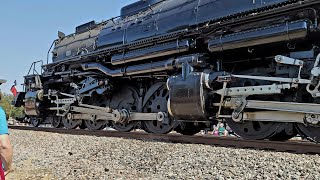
{"type": "Point", "coordinates": [184, 65]}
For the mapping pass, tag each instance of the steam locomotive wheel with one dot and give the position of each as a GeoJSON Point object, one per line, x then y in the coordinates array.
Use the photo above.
{"type": "Point", "coordinates": [124, 127]}
{"type": "Point", "coordinates": [158, 103]}
{"type": "Point", "coordinates": [71, 124]}
{"type": "Point", "coordinates": [35, 122]}
{"type": "Point", "coordinates": [96, 125]}
{"type": "Point", "coordinates": [253, 129]}
{"type": "Point", "coordinates": [56, 121]}
{"type": "Point", "coordinates": [126, 98]}
{"type": "Point", "coordinates": [310, 132]}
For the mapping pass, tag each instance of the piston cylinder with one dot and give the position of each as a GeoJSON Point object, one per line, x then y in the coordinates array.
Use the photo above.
{"type": "Point", "coordinates": [187, 97]}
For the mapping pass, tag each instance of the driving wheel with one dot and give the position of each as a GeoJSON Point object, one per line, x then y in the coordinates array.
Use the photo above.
{"type": "Point", "coordinates": [158, 103]}
{"type": "Point", "coordinates": [126, 98]}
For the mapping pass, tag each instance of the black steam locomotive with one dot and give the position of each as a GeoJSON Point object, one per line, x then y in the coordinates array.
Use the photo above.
{"type": "Point", "coordinates": [184, 65]}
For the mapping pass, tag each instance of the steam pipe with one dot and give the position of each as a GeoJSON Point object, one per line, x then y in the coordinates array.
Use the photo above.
{"type": "Point", "coordinates": [167, 65]}
{"type": "Point", "coordinates": [100, 67]}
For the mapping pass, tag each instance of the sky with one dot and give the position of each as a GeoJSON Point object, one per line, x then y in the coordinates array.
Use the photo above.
{"type": "Point", "coordinates": [28, 28]}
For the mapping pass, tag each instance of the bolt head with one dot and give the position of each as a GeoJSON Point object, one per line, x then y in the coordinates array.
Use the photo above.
{"type": "Point", "coordinates": [279, 58]}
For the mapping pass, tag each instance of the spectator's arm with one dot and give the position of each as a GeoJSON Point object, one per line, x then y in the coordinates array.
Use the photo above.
{"type": "Point", "coordinates": [6, 152]}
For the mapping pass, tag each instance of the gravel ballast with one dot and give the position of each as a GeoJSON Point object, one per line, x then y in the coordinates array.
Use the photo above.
{"type": "Point", "coordinates": [40, 155]}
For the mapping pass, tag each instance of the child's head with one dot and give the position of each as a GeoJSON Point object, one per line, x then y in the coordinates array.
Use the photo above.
{"type": "Point", "coordinates": [221, 125]}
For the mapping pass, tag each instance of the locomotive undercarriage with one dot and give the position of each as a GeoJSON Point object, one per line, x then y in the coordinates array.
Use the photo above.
{"type": "Point", "coordinates": [255, 107]}
{"type": "Point", "coordinates": [258, 72]}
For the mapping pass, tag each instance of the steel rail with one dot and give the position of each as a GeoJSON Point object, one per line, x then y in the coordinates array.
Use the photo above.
{"type": "Point", "coordinates": [298, 147]}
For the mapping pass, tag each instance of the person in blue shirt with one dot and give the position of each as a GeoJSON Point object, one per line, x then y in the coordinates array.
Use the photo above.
{"type": "Point", "coordinates": [6, 150]}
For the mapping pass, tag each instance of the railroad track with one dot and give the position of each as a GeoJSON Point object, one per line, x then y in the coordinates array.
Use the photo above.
{"type": "Point", "coordinates": [299, 147]}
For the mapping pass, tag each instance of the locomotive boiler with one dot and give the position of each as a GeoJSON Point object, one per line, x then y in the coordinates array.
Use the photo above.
{"type": "Point", "coordinates": [184, 65]}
